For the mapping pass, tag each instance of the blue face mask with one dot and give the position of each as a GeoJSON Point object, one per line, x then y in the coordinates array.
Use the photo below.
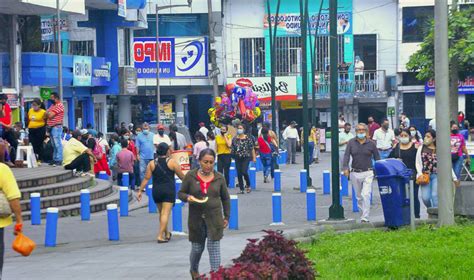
{"type": "Point", "coordinates": [361, 135]}
{"type": "Point", "coordinates": [145, 131]}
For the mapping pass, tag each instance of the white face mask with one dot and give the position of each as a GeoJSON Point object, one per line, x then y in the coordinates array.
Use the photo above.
{"type": "Point", "coordinates": [412, 133]}
{"type": "Point", "coordinates": [240, 131]}
{"type": "Point", "coordinates": [404, 140]}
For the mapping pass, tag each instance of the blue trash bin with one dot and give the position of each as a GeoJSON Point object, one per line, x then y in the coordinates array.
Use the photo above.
{"type": "Point", "coordinates": [393, 177]}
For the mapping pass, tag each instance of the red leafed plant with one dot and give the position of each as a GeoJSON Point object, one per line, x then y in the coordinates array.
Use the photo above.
{"type": "Point", "coordinates": [274, 257]}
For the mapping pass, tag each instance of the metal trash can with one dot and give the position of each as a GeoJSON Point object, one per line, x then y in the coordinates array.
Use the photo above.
{"type": "Point", "coordinates": [393, 177]}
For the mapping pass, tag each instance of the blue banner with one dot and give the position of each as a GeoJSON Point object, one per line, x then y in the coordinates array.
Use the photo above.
{"type": "Point", "coordinates": [465, 87]}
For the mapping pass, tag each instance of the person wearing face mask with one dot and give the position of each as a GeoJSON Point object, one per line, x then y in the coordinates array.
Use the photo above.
{"type": "Point", "coordinates": [145, 149]}
{"type": "Point", "coordinates": [373, 126]}
{"type": "Point", "coordinates": [161, 137]}
{"type": "Point", "coordinates": [344, 138]}
{"type": "Point", "coordinates": [360, 171]}
{"type": "Point", "coordinates": [243, 151]}
{"type": "Point", "coordinates": [458, 147]}
{"type": "Point", "coordinates": [384, 138]}
{"type": "Point", "coordinates": [224, 158]}
{"type": "Point", "coordinates": [55, 116]}
{"type": "Point", "coordinates": [415, 136]}
{"type": "Point", "coordinates": [405, 150]}
{"type": "Point", "coordinates": [37, 126]}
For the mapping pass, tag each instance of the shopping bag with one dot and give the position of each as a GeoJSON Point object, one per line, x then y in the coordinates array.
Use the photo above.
{"type": "Point", "coordinates": [23, 244]}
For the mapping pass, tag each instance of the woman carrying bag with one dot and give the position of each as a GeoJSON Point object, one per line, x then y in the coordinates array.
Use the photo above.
{"type": "Point", "coordinates": [267, 148]}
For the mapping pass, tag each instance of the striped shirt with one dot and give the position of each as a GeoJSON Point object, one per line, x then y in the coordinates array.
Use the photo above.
{"type": "Point", "coordinates": [58, 110]}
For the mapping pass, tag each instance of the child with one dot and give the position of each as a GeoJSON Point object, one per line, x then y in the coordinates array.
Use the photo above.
{"type": "Point", "coordinates": [125, 161]}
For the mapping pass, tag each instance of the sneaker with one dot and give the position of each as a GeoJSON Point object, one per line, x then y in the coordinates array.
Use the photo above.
{"type": "Point", "coordinates": [79, 174]}
{"type": "Point", "coordinates": [265, 179]}
{"type": "Point", "coordinates": [364, 221]}
{"type": "Point", "coordinates": [241, 192]}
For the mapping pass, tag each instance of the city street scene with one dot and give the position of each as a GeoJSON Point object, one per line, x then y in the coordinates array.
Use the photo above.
{"type": "Point", "coordinates": [236, 139]}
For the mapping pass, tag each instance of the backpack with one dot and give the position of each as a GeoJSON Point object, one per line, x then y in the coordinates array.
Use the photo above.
{"type": "Point", "coordinates": [98, 153]}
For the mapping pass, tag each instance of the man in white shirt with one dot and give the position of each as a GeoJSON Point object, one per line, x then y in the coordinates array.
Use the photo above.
{"type": "Point", "coordinates": [203, 129]}
{"type": "Point", "coordinates": [384, 138]}
{"type": "Point", "coordinates": [358, 72]}
{"type": "Point", "coordinates": [292, 140]}
{"type": "Point", "coordinates": [161, 137]}
{"type": "Point", "coordinates": [344, 138]}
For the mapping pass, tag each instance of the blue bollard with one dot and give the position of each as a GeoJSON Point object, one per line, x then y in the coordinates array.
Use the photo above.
{"type": "Point", "coordinates": [253, 178]}
{"type": "Point", "coordinates": [303, 180]}
{"type": "Point", "coordinates": [232, 175]}
{"type": "Point", "coordinates": [113, 222]}
{"type": "Point", "coordinates": [177, 216]}
{"type": "Point", "coordinates": [123, 201]}
{"type": "Point", "coordinates": [234, 212]}
{"type": "Point", "coordinates": [276, 209]}
{"type": "Point", "coordinates": [51, 227]}
{"type": "Point", "coordinates": [344, 185]}
{"type": "Point", "coordinates": [125, 179]}
{"type": "Point", "coordinates": [326, 182]}
{"type": "Point", "coordinates": [103, 175]}
{"type": "Point", "coordinates": [355, 208]}
{"type": "Point", "coordinates": [85, 205]}
{"type": "Point", "coordinates": [277, 181]}
{"type": "Point", "coordinates": [177, 186]}
{"type": "Point", "coordinates": [232, 163]}
{"type": "Point", "coordinates": [311, 205]}
{"type": "Point", "coordinates": [151, 203]}
{"type": "Point", "coordinates": [35, 205]}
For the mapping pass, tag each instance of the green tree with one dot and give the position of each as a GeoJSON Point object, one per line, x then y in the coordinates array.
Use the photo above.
{"type": "Point", "coordinates": [461, 53]}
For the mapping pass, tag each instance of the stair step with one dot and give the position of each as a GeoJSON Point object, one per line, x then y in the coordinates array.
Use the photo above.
{"type": "Point", "coordinates": [102, 189]}
{"type": "Point", "coordinates": [68, 186]}
{"type": "Point", "coordinates": [32, 177]}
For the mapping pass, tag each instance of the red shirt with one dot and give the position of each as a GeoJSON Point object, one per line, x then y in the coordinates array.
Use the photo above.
{"type": "Point", "coordinates": [132, 148]}
{"type": "Point", "coordinates": [58, 110]}
{"type": "Point", "coordinates": [7, 115]}
{"type": "Point", "coordinates": [264, 147]}
{"type": "Point", "coordinates": [372, 128]}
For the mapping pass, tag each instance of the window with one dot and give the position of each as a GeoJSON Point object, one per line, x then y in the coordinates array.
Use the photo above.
{"type": "Point", "coordinates": [5, 44]}
{"type": "Point", "coordinates": [30, 32]}
{"type": "Point", "coordinates": [176, 25]}
{"type": "Point", "coordinates": [409, 79]}
{"type": "Point", "coordinates": [85, 48]}
{"type": "Point", "coordinates": [416, 23]}
{"type": "Point", "coordinates": [322, 52]}
{"type": "Point", "coordinates": [288, 55]}
{"type": "Point", "coordinates": [124, 41]}
{"type": "Point", "coordinates": [252, 56]}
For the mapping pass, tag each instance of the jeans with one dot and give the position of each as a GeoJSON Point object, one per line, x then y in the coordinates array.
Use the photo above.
{"type": "Point", "coordinates": [136, 172]}
{"type": "Point", "coordinates": [56, 138]}
{"type": "Point", "coordinates": [429, 193]}
{"type": "Point", "coordinates": [384, 154]}
{"type": "Point", "coordinates": [143, 165]}
{"type": "Point", "coordinates": [457, 167]}
{"type": "Point", "coordinates": [311, 151]}
{"type": "Point", "coordinates": [82, 164]}
{"type": "Point", "coordinates": [242, 167]}
{"type": "Point", "coordinates": [267, 162]}
{"type": "Point", "coordinates": [223, 165]}
{"type": "Point", "coordinates": [291, 148]}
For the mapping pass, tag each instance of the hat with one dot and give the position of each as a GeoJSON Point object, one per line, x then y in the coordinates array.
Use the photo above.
{"type": "Point", "coordinates": [160, 126]}
{"type": "Point", "coordinates": [84, 131]}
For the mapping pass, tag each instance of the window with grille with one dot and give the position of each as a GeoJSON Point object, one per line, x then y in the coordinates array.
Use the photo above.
{"type": "Point", "coordinates": [85, 48]}
{"type": "Point", "coordinates": [322, 52]}
{"type": "Point", "coordinates": [252, 56]}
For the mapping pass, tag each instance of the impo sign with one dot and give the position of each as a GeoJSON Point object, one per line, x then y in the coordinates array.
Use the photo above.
{"type": "Point", "coordinates": [285, 87]}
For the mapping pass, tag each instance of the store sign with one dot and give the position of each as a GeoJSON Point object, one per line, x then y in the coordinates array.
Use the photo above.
{"type": "Point", "coordinates": [48, 25]}
{"type": "Point", "coordinates": [178, 57]}
{"type": "Point", "coordinates": [101, 74]}
{"type": "Point", "coordinates": [82, 71]}
{"type": "Point", "coordinates": [288, 105]}
{"type": "Point", "coordinates": [122, 8]}
{"type": "Point", "coordinates": [290, 24]}
{"type": "Point", "coordinates": [465, 87]}
{"type": "Point", "coordinates": [45, 93]}
{"type": "Point", "coordinates": [285, 87]}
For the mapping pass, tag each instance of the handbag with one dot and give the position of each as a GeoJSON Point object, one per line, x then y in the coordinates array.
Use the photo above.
{"type": "Point", "coordinates": [424, 179]}
{"type": "Point", "coordinates": [23, 245]}
{"type": "Point", "coordinates": [272, 148]}
{"type": "Point", "coordinates": [5, 210]}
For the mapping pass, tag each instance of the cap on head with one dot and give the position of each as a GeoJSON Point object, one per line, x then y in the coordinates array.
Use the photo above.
{"type": "Point", "coordinates": [161, 127]}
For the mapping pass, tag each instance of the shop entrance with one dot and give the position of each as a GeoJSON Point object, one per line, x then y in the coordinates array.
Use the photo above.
{"type": "Point", "coordinates": [376, 110]}
{"type": "Point", "coordinates": [197, 111]}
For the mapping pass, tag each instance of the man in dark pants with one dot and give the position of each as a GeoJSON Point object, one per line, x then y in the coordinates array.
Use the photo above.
{"type": "Point", "coordinates": [292, 139]}
{"type": "Point", "coordinates": [76, 155]}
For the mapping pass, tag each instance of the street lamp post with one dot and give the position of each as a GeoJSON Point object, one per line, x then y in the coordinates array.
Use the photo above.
{"type": "Point", "coordinates": [304, 71]}
{"type": "Point", "coordinates": [273, 31]}
{"type": "Point", "coordinates": [157, 55]}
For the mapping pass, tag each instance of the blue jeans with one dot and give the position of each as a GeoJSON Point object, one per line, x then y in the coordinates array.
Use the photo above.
{"type": "Point", "coordinates": [56, 138]}
{"type": "Point", "coordinates": [267, 162]}
{"type": "Point", "coordinates": [429, 193]}
{"type": "Point", "coordinates": [143, 165]}
{"type": "Point", "coordinates": [457, 166]}
{"type": "Point", "coordinates": [311, 151]}
{"type": "Point", "coordinates": [384, 154]}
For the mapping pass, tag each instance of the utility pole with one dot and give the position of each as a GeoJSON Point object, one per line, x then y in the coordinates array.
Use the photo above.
{"type": "Point", "coordinates": [60, 61]}
{"type": "Point", "coordinates": [272, 31]}
{"type": "Point", "coordinates": [157, 56]}
{"type": "Point", "coordinates": [304, 73]}
{"type": "Point", "coordinates": [443, 151]}
{"type": "Point", "coordinates": [212, 42]}
{"type": "Point", "coordinates": [336, 211]}
{"type": "Point", "coordinates": [313, 51]}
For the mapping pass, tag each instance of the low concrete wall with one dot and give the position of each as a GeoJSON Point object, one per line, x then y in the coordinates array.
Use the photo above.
{"type": "Point", "coordinates": [464, 200]}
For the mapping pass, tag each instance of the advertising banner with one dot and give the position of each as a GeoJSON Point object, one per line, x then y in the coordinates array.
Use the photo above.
{"type": "Point", "coordinates": [48, 25]}
{"type": "Point", "coordinates": [285, 86]}
{"type": "Point", "coordinates": [82, 71]}
{"type": "Point", "coordinates": [464, 87]}
{"type": "Point", "coordinates": [122, 8]}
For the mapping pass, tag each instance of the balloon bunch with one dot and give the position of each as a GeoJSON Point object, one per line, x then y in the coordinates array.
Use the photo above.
{"type": "Point", "coordinates": [236, 103]}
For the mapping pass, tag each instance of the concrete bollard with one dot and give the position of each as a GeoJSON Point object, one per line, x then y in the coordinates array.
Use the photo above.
{"type": "Point", "coordinates": [344, 185]}
{"type": "Point", "coordinates": [103, 175]}
{"type": "Point", "coordinates": [303, 180]}
{"type": "Point", "coordinates": [123, 201]}
{"type": "Point", "coordinates": [326, 182]}
{"type": "Point", "coordinates": [355, 208]}
{"type": "Point", "coordinates": [125, 179]}
{"type": "Point", "coordinates": [51, 227]}
{"type": "Point", "coordinates": [35, 205]}
{"type": "Point", "coordinates": [311, 205]}
{"type": "Point", "coordinates": [113, 222]}
{"type": "Point", "coordinates": [253, 178]}
{"type": "Point", "coordinates": [232, 175]}
{"type": "Point", "coordinates": [151, 203]}
{"type": "Point", "coordinates": [177, 186]}
{"type": "Point", "coordinates": [177, 216]}
{"type": "Point", "coordinates": [277, 181]}
{"type": "Point", "coordinates": [234, 212]}
{"type": "Point", "coordinates": [276, 209]}
{"type": "Point", "coordinates": [85, 205]}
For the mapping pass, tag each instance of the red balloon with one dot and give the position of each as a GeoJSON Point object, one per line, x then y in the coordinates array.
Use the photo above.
{"type": "Point", "coordinates": [229, 88]}
{"type": "Point", "coordinates": [242, 107]}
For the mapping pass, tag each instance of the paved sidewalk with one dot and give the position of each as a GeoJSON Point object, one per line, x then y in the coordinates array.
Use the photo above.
{"type": "Point", "coordinates": [84, 252]}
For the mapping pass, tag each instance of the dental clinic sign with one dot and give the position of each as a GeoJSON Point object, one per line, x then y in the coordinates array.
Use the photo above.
{"type": "Point", "coordinates": [179, 57]}
{"type": "Point", "coordinates": [285, 87]}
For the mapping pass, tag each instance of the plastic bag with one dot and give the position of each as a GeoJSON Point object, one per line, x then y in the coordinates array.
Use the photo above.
{"type": "Point", "coordinates": [23, 244]}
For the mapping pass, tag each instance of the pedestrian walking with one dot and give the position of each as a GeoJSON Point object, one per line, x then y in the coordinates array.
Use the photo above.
{"type": "Point", "coordinates": [145, 149]}
{"type": "Point", "coordinates": [182, 142]}
{"type": "Point", "coordinates": [384, 138]}
{"type": "Point", "coordinates": [344, 137]}
{"type": "Point", "coordinates": [201, 144]}
{"type": "Point", "coordinates": [162, 170]}
{"type": "Point", "coordinates": [267, 147]}
{"type": "Point", "coordinates": [373, 126]}
{"type": "Point", "coordinates": [415, 136]}
{"type": "Point", "coordinates": [116, 148]}
{"type": "Point", "coordinates": [461, 118]}
{"type": "Point", "coordinates": [224, 157]}
{"type": "Point", "coordinates": [203, 129]}
{"type": "Point", "coordinates": [211, 139]}
{"type": "Point", "coordinates": [104, 145]}
{"type": "Point", "coordinates": [292, 141]}
{"type": "Point", "coordinates": [55, 115]}
{"type": "Point", "coordinates": [360, 171]}
{"type": "Point", "coordinates": [458, 148]}
{"type": "Point", "coordinates": [406, 150]}
{"type": "Point", "coordinates": [243, 151]}
{"type": "Point", "coordinates": [161, 137]}
{"type": "Point", "coordinates": [125, 161]}
{"type": "Point", "coordinates": [37, 126]}
{"type": "Point", "coordinates": [315, 152]}
{"type": "Point", "coordinates": [205, 220]}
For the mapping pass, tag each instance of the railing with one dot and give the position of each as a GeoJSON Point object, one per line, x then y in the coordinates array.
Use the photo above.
{"type": "Point", "coordinates": [367, 83]}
